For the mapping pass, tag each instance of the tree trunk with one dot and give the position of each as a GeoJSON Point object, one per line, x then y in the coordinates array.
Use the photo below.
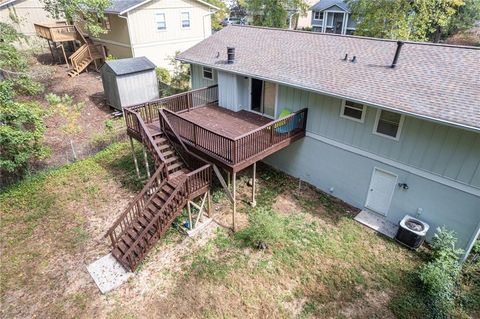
{"type": "Point", "coordinates": [438, 34]}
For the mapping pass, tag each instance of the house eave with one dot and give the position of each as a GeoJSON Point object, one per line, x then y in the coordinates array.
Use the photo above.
{"type": "Point", "coordinates": [146, 1]}
{"type": "Point", "coordinates": [327, 93]}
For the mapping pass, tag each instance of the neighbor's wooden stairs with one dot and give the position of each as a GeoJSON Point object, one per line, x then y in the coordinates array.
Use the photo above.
{"type": "Point", "coordinates": [87, 53]}
{"type": "Point", "coordinates": [161, 200]}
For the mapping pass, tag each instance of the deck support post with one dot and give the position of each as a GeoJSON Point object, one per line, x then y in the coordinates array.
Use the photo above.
{"type": "Point", "coordinates": [147, 167]}
{"type": "Point", "coordinates": [254, 184]}
{"type": "Point", "coordinates": [234, 191]}
{"type": "Point", "coordinates": [189, 210]}
{"type": "Point", "coordinates": [209, 204]}
{"type": "Point", "coordinates": [65, 56]}
{"type": "Point", "coordinates": [51, 50]}
{"type": "Point", "coordinates": [134, 158]}
{"type": "Point", "coordinates": [229, 180]}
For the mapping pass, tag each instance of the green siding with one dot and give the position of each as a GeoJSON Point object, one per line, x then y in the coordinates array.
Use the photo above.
{"type": "Point", "coordinates": [446, 151]}
{"type": "Point", "coordinates": [197, 77]}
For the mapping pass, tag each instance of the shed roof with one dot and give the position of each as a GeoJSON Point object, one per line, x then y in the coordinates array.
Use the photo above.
{"type": "Point", "coordinates": [123, 6]}
{"type": "Point", "coordinates": [130, 65]}
{"type": "Point", "coordinates": [326, 4]}
{"type": "Point", "coordinates": [437, 82]}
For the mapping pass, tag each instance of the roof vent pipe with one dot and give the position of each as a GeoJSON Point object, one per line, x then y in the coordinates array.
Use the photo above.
{"type": "Point", "coordinates": [230, 55]}
{"type": "Point", "coordinates": [397, 54]}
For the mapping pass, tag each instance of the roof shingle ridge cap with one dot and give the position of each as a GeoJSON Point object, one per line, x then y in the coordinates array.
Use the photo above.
{"type": "Point", "coordinates": [358, 37]}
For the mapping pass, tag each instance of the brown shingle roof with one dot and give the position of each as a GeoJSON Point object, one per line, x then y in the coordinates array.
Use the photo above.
{"type": "Point", "coordinates": [440, 82]}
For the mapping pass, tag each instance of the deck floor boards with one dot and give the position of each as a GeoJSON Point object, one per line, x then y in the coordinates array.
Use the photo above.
{"type": "Point", "coordinates": [222, 121]}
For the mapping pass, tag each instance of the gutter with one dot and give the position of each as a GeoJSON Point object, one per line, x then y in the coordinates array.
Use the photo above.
{"type": "Point", "coordinates": [345, 97]}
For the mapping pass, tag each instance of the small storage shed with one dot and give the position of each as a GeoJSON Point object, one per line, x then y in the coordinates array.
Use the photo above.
{"type": "Point", "coordinates": [129, 81]}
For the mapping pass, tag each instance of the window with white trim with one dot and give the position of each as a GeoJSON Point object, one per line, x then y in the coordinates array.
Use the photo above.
{"type": "Point", "coordinates": [388, 124]}
{"type": "Point", "coordinates": [317, 15]}
{"type": "Point", "coordinates": [207, 73]}
{"type": "Point", "coordinates": [160, 22]}
{"type": "Point", "coordinates": [353, 111]}
{"type": "Point", "coordinates": [185, 19]}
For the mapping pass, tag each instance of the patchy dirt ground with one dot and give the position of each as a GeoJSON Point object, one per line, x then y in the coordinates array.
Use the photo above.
{"type": "Point", "coordinates": [85, 88]}
{"type": "Point", "coordinates": [53, 226]}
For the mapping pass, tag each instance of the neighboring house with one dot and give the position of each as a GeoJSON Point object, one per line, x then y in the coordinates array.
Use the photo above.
{"type": "Point", "coordinates": [155, 29]}
{"type": "Point", "coordinates": [393, 141]}
{"type": "Point", "coordinates": [26, 12]}
{"type": "Point", "coordinates": [305, 21]}
{"type": "Point", "coordinates": [332, 16]}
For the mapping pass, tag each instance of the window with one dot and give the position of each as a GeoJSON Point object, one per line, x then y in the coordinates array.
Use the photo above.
{"type": "Point", "coordinates": [318, 15]}
{"type": "Point", "coordinates": [160, 21]}
{"type": "Point", "coordinates": [207, 73]}
{"type": "Point", "coordinates": [185, 20]}
{"type": "Point", "coordinates": [388, 124]}
{"type": "Point", "coordinates": [353, 111]}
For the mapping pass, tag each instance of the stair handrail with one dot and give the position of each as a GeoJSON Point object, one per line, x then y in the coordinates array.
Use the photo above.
{"type": "Point", "coordinates": [147, 137]}
{"type": "Point", "coordinates": [180, 186]}
{"type": "Point", "coordinates": [164, 120]}
{"type": "Point", "coordinates": [136, 204]}
{"type": "Point", "coordinates": [78, 53]}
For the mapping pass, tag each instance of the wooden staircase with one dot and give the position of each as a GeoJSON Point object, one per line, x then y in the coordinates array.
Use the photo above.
{"type": "Point", "coordinates": [87, 53]}
{"type": "Point", "coordinates": [180, 176]}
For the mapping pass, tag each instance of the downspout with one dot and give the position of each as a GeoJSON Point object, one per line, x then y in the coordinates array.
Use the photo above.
{"type": "Point", "coordinates": [203, 21]}
{"type": "Point", "coordinates": [129, 33]}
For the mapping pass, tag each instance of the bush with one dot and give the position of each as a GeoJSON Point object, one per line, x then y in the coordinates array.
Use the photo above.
{"type": "Point", "coordinates": [21, 133]}
{"type": "Point", "coordinates": [163, 75]}
{"type": "Point", "coordinates": [265, 228]}
{"type": "Point", "coordinates": [440, 276]}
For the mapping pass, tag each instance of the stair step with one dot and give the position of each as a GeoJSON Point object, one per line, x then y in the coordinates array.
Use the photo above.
{"type": "Point", "coordinates": [164, 196]}
{"type": "Point", "coordinates": [174, 166]}
{"type": "Point", "coordinates": [163, 146]}
{"type": "Point", "coordinates": [168, 153]}
{"type": "Point", "coordinates": [161, 140]}
{"type": "Point", "coordinates": [159, 203]}
{"type": "Point", "coordinates": [171, 159]}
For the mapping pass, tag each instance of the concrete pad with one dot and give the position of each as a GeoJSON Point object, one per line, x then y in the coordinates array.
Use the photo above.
{"type": "Point", "coordinates": [108, 273]}
{"type": "Point", "coordinates": [377, 223]}
{"type": "Point", "coordinates": [201, 226]}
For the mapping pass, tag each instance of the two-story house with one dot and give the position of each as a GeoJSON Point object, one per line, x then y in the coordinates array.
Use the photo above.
{"type": "Point", "coordinates": [156, 29]}
{"type": "Point", "coordinates": [391, 129]}
{"type": "Point", "coordinates": [332, 16]}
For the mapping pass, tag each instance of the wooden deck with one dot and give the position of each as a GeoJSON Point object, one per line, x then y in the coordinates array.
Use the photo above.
{"type": "Point", "coordinates": [221, 120]}
{"type": "Point", "coordinates": [232, 140]}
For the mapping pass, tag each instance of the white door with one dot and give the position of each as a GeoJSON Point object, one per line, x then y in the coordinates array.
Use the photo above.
{"type": "Point", "coordinates": [381, 191]}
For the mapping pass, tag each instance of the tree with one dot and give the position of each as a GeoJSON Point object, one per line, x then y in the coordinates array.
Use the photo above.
{"type": "Point", "coordinates": [21, 123]}
{"type": "Point", "coordinates": [465, 17]}
{"type": "Point", "coordinates": [91, 12]}
{"type": "Point", "coordinates": [219, 15]}
{"type": "Point", "coordinates": [274, 13]}
{"type": "Point", "coordinates": [382, 18]}
{"type": "Point", "coordinates": [418, 20]}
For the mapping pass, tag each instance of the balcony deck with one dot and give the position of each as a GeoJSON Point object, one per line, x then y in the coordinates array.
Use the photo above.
{"type": "Point", "coordinates": [221, 120]}
{"type": "Point", "coordinates": [232, 140]}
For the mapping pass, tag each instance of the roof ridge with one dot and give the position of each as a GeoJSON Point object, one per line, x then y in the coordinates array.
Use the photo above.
{"type": "Point", "coordinates": [359, 37]}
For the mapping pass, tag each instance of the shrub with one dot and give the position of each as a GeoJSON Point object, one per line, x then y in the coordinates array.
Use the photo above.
{"type": "Point", "coordinates": [163, 75]}
{"type": "Point", "coordinates": [21, 133]}
{"type": "Point", "coordinates": [440, 276]}
{"type": "Point", "coordinates": [265, 228]}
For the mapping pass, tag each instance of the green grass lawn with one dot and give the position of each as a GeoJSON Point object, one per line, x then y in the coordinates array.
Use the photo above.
{"type": "Point", "coordinates": [318, 262]}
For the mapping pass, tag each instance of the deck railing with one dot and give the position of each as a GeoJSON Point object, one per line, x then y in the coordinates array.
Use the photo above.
{"type": "Point", "coordinates": [235, 150]}
{"type": "Point", "coordinates": [136, 206]}
{"type": "Point", "coordinates": [176, 103]}
{"type": "Point", "coordinates": [56, 33]}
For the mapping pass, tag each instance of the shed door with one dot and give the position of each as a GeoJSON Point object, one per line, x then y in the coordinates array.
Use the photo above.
{"type": "Point", "coordinates": [381, 191]}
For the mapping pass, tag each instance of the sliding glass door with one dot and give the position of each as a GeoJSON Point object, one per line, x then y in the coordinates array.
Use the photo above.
{"type": "Point", "coordinates": [263, 97]}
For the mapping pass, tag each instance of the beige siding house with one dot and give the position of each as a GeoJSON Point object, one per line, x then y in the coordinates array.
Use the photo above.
{"type": "Point", "coordinates": [26, 12]}
{"type": "Point", "coordinates": [155, 29]}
